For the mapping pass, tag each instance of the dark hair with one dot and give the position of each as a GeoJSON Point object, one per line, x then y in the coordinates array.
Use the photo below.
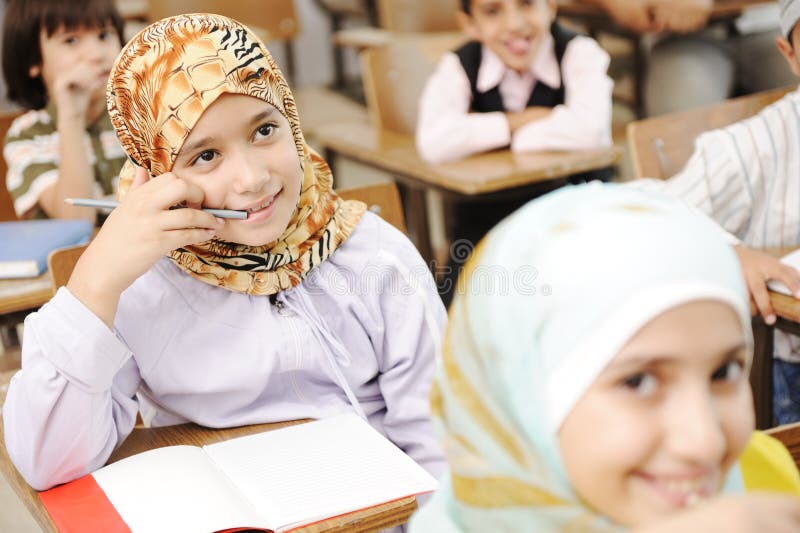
{"type": "Point", "coordinates": [25, 19]}
{"type": "Point", "coordinates": [466, 6]}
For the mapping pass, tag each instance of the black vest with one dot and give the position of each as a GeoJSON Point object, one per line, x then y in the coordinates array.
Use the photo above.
{"type": "Point", "coordinates": [542, 95]}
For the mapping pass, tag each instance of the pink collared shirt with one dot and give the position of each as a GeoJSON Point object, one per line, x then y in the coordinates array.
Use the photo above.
{"type": "Point", "coordinates": [447, 130]}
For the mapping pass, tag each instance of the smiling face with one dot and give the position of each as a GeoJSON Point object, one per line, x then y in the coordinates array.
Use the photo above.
{"type": "Point", "coordinates": [242, 154]}
{"type": "Point", "coordinates": [665, 420]}
{"type": "Point", "coordinates": [512, 29]}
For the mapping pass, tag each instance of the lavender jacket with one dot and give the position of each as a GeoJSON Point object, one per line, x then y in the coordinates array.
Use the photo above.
{"type": "Point", "coordinates": [360, 333]}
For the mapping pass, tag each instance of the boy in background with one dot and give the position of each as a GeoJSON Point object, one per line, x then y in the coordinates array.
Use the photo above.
{"type": "Point", "coordinates": [522, 81]}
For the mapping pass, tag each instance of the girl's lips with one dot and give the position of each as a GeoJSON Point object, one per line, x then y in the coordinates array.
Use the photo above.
{"type": "Point", "coordinates": [682, 491]}
{"type": "Point", "coordinates": [263, 213]}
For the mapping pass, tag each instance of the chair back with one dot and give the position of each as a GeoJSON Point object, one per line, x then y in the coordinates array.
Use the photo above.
{"type": "Point", "coordinates": [661, 146]}
{"type": "Point", "coordinates": [789, 435]}
{"type": "Point", "coordinates": [61, 263]}
{"type": "Point", "coordinates": [418, 15]}
{"type": "Point", "coordinates": [395, 74]}
{"type": "Point", "coordinates": [7, 212]}
{"type": "Point", "coordinates": [382, 199]}
{"type": "Point", "coordinates": [275, 20]}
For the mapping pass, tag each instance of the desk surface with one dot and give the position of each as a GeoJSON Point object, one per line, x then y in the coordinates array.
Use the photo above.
{"type": "Point", "coordinates": [490, 172]}
{"type": "Point", "coordinates": [21, 294]}
{"type": "Point", "coordinates": [142, 439]}
{"type": "Point", "coordinates": [722, 8]}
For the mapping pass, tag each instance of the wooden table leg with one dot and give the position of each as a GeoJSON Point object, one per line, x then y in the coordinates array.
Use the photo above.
{"type": "Point", "coordinates": [416, 210]}
{"type": "Point", "coordinates": [761, 373]}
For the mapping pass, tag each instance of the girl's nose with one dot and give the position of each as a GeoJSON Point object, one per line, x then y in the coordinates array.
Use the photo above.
{"type": "Point", "coordinates": [249, 177]}
{"type": "Point", "coordinates": [695, 429]}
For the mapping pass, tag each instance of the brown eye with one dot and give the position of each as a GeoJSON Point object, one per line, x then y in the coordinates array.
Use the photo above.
{"type": "Point", "coordinates": [730, 371]}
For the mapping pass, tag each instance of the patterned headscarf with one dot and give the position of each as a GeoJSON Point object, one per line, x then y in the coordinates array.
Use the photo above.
{"type": "Point", "coordinates": [162, 82]}
{"type": "Point", "coordinates": [551, 295]}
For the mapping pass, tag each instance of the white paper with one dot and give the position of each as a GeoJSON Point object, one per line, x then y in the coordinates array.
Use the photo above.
{"type": "Point", "coordinates": [793, 260]}
{"type": "Point", "coordinates": [325, 468]}
{"type": "Point", "coordinates": [176, 489]}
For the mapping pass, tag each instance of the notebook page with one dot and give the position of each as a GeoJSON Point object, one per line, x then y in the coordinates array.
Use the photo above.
{"type": "Point", "coordinates": [793, 260]}
{"type": "Point", "coordinates": [175, 489]}
{"type": "Point", "coordinates": [307, 472]}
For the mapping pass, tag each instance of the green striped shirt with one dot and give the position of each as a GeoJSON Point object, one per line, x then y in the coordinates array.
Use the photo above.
{"type": "Point", "coordinates": [31, 152]}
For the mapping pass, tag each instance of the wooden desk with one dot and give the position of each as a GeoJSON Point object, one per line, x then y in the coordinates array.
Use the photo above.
{"type": "Point", "coordinates": [23, 294]}
{"type": "Point", "coordinates": [493, 172]}
{"type": "Point", "coordinates": [143, 439]}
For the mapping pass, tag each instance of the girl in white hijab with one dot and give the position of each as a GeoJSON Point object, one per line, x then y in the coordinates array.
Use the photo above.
{"type": "Point", "coordinates": [594, 378]}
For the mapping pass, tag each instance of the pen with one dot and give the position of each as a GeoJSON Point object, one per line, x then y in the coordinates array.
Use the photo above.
{"type": "Point", "coordinates": [111, 204]}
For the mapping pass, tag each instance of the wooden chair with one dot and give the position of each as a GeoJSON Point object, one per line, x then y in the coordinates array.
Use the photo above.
{"type": "Point", "coordinates": [275, 20]}
{"type": "Point", "coordinates": [395, 74]}
{"type": "Point", "coordinates": [789, 435]}
{"type": "Point", "coordinates": [382, 199]}
{"type": "Point", "coordinates": [7, 212]}
{"type": "Point", "coordinates": [61, 263]}
{"type": "Point", "coordinates": [660, 146]}
{"type": "Point", "coordinates": [418, 15]}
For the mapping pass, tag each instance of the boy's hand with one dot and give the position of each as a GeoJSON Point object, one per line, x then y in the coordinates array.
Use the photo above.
{"type": "Point", "coordinates": [634, 15]}
{"type": "Point", "coordinates": [518, 119]}
{"type": "Point", "coordinates": [758, 268]}
{"type": "Point", "coordinates": [747, 513]}
{"type": "Point", "coordinates": [73, 89]}
{"type": "Point", "coordinates": [136, 235]}
{"type": "Point", "coordinates": [681, 16]}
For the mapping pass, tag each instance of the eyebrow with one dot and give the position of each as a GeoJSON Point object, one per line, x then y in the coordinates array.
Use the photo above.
{"type": "Point", "coordinates": [647, 361]}
{"type": "Point", "coordinates": [200, 143]}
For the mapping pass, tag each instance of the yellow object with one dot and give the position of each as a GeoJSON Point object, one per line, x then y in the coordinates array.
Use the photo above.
{"type": "Point", "coordinates": [767, 465]}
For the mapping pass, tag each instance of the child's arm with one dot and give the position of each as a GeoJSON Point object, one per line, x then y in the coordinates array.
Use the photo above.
{"type": "Point", "coordinates": [681, 16]}
{"type": "Point", "coordinates": [584, 120]}
{"type": "Point", "coordinates": [634, 15]}
{"type": "Point", "coordinates": [74, 400]}
{"type": "Point", "coordinates": [446, 130]}
{"type": "Point", "coordinates": [413, 320]}
{"type": "Point", "coordinates": [136, 235]}
{"type": "Point", "coordinates": [71, 95]}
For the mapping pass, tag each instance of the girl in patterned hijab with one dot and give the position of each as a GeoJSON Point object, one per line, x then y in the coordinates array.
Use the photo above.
{"type": "Point", "coordinates": [604, 385]}
{"type": "Point", "coordinates": [309, 307]}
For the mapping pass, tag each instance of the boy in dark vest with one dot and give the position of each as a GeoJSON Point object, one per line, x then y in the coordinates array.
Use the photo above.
{"type": "Point", "coordinates": [524, 82]}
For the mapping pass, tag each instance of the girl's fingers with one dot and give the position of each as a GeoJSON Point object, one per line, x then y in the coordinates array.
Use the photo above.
{"type": "Point", "coordinates": [140, 176]}
{"type": "Point", "coordinates": [182, 237]}
{"type": "Point", "coordinates": [184, 218]}
{"type": "Point", "coordinates": [166, 190]}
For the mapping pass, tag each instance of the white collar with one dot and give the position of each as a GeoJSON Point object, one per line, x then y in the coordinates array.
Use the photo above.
{"type": "Point", "coordinates": [544, 67]}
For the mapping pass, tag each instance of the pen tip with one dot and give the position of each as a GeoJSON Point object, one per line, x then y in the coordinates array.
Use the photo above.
{"type": "Point", "coordinates": [68, 201]}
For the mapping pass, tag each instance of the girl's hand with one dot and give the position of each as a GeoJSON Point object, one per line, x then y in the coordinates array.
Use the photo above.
{"type": "Point", "coordinates": [136, 235]}
{"type": "Point", "coordinates": [748, 513]}
{"type": "Point", "coordinates": [682, 16]}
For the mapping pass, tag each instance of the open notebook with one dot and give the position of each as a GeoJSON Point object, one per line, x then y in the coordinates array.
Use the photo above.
{"type": "Point", "coordinates": [272, 481]}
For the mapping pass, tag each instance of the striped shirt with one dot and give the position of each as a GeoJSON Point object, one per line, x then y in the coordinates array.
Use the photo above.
{"type": "Point", "coordinates": [31, 152]}
{"type": "Point", "coordinates": [746, 177]}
